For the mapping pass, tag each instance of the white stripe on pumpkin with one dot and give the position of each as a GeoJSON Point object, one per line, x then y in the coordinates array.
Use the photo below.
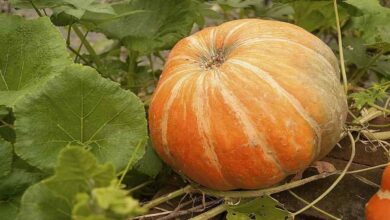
{"type": "Point", "coordinates": [255, 138]}
{"type": "Point", "coordinates": [280, 90]}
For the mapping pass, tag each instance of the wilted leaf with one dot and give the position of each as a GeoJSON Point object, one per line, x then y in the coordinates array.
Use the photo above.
{"type": "Point", "coordinates": [323, 167]}
{"type": "Point", "coordinates": [79, 107]}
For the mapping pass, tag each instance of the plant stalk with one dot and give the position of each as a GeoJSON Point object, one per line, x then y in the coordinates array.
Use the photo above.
{"type": "Point", "coordinates": [340, 40]}
{"type": "Point", "coordinates": [89, 47]}
{"type": "Point", "coordinates": [334, 184]}
{"type": "Point", "coordinates": [211, 213]}
{"type": "Point", "coordinates": [168, 197]}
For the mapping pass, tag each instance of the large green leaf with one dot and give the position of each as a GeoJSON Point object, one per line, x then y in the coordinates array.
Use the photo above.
{"type": "Point", "coordinates": [39, 202]}
{"type": "Point", "coordinates": [6, 153]}
{"type": "Point", "coordinates": [30, 52]}
{"type": "Point", "coordinates": [148, 25]}
{"type": "Point", "coordinates": [77, 173]}
{"type": "Point", "coordinates": [374, 22]}
{"type": "Point", "coordinates": [263, 208]}
{"type": "Point", "coordinates": [79, 107]}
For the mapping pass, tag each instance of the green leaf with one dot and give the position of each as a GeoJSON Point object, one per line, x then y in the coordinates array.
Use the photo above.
{"type": "Point", "coordinates": [147, 25]}
{"type": "Point", "coordinates": [377, 92]}
{"type": "Point", "coordinates": [16, 182]}
{"type": "Point", "coordinates": [263, 208]}
{"type": "Point", "coordinates": [237, 3]}
{"type": "Point", "coordinates": [3, 111]}
{"type": "Point", "coordinates": [73, 11]}
{"type": "Point", "coordinates": [6, 154]}
{"type": "Point", "coordinates": [79, 107]}
{"type": "Point", "coordinates": [9, 208]}
{"type": "Point", "coordinates": [31, 51]}
{"type": "Point", "coordinates": [40, 202]}
{"type": "Point", "coordinates": [78, 171]}
{"type": "Point", "coordinates": [150, 164]}
{"type": "Point", "coordinates": [106, 203]}
{"type": "Point", "coordinates": [38, 3]}
{"type": "Point", "coordinates": [313, 15]}
{"type": "Point", "coordinates": [374, 22]}
{"type": "Point", "coordinates": [355, 52]}
{"type": "Point", "coordinates": [80, 189]}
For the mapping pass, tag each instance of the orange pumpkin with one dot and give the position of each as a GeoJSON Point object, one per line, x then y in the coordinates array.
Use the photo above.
{"type": "Point", "coordinates": [246, 103]}
{"type": "Point", "coordinates": [378, 208]}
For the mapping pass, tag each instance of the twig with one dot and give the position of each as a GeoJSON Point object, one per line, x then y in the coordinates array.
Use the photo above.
{"type": "Point", "coordinates": [139, 186]}
{"type": "Point", "coordinates": [314, 207]}
{"type": "Point", "coordinates": [80, 46]}
{"type": "Point", "coordinates": [198, 208]}
{"type": "Point", "coordinates": [77, 53]}
{"type": "Point", "coordinates": [168, 197]}
{"type": "Point", "coordinates": [88, 46]}
{"type": "Point", "coordinates": [211, 213]}
{"type": "Point", "coordinates": [334, 184]}
{"type": "Point", "coordinates": [385, 110]}
{"type": "Point", "coordinates": [368, 169]}
{"type": "Point", "coordinates": [261, 192]}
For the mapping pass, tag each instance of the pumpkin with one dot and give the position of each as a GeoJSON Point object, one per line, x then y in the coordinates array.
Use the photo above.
{"type": "Point", "coordinates": [247, 103]}
{"type": "Point", "coordinates": [378, 207]}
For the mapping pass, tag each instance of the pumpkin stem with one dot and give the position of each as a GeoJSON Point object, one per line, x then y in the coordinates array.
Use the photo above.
{"type": "Point", "coordinates": [215, 60]}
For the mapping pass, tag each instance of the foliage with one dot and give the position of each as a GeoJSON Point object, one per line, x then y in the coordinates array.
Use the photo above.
{"type": "Point", "coordinates": [27, 59]}
{"type": "Point", "coordinates": [79, 107]}
{"type": "Point", "coordinates": [261, 208]}
{"type": "Point", "coordinates": [376, 92]}
{"type": "Point", "coordinates": [80, 189]}
{"type": "Point", "coordinates": [93, 112]}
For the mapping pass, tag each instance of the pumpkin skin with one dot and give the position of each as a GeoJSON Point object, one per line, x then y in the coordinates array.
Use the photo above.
{"type": "Point", "coordinates": [378, 207]}
{"type": "Point", "coordinates": [246, 103]}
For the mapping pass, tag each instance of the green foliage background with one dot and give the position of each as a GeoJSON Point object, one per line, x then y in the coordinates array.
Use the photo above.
{"type": "Point", "coordinates": [72, 117]}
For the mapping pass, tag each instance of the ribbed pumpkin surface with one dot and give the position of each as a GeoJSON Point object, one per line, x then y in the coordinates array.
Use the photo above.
{"type": "Point", "coordinates": [247, 103]}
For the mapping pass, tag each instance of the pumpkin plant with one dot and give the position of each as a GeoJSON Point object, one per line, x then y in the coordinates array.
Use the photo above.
{"type": "Point", "coordinates": [246, 103]}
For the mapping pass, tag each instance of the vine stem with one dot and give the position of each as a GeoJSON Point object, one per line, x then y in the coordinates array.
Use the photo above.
{"type": "Point", "coordinates": [139, 186]}
{"type": "Point", "coordinates": [88, 46]}
{"type": "Point", "coordinates": [381, 135]}
{"type": "Point", "coordinates": [211, 213]}
{"type": "Point", "coordinates": [314, 207]}
{"type": "Point", "coordinates": [368, 169]}
{"type": "Point", "coordinates": [132, 158]}
{"type": "Point", "coordinates": [334, 184]}
{"type": "Point", "coordinates": [168, 197]}
{"type": "Point", "coordinates": [36, 9]}
{"type": "Point", "coordinates": [339, 37]}
{"type": "Point", "coordinates": [262, 192]}
{"type": "Point", "coordinates": [131, 70]}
